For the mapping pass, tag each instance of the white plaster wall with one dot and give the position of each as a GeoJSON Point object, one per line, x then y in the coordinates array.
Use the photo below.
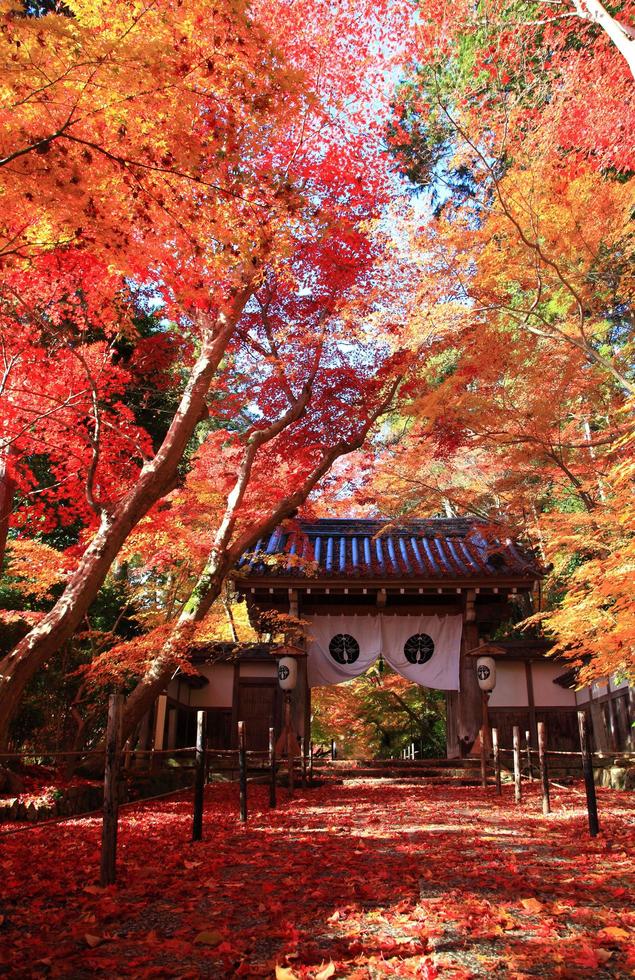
{"type": "Point", "coordinates": [546, 693]}
{"type": "Point", "coordinates": [599, 690]}
{"type": "Point", "coordinates": [511, 686]}
{"type": "Point", "coordinates": [219, 692]}
{"type": "Point", "coordinates": [259, 669]}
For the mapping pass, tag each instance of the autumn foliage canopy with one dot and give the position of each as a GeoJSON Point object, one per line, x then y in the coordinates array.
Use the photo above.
{"type": "Point", "coordinates": [241, 244]}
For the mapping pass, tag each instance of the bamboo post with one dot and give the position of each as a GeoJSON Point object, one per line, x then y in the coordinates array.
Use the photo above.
{"type": "Point", "coordinates": [311, 764]}
{"type": "Point", "coordinates": [272, 769]}
{"type": "Point", "coordinates": [544, 770]}
{"type": "Point", "coordinates": [530, 771]}
{"type": "Point", "coordinates": [111, 791]}
{"type": "Point", "coordinates": [199, 777]}
{"type": "Point", "coordinates": [242, 771]}
{"type": "Point", "coordinates": [517, 787]}
{"type": "Point", "coordinates": [587, 769]}
{"type": "Point", "coordinates": [497, 762]}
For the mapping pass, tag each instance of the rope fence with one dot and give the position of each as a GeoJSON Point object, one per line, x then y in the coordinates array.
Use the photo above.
{"type": "Point", "coordinates": [248, 764]}
{"type": "Point", "coordinates": [543, 755]}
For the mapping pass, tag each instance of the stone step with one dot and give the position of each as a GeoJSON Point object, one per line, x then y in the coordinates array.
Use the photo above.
{"type": "Point", "coordinates": [469, 763]}
{"type": "Point", "coordinates": [399, 772]}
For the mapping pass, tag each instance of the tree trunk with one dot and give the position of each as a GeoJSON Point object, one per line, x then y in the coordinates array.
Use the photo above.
{"type": "Point", "coordinates": [226, 552]}
{"type": "Point", "coordinates": [7, 490]}
{"type": "Point", "coordinates": [58, 625]}
{"type": "Point", "coordinates": [622, 35]}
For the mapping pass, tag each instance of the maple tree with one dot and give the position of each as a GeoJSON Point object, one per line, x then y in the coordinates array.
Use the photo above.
{"type": "Point", "coordinates": [263, 194]}
{"type": "Point", "coordinates": [514, 122]}
{"type": "Point", "coordinates": [378, 715]}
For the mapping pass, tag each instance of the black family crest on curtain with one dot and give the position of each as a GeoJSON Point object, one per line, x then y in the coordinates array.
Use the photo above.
{"type": "Point", "coordinates": [425, 649]}
{"type": "Point", "coordinates": [344, 648]}
{"type": "Point", "coordinates": [418, 648]}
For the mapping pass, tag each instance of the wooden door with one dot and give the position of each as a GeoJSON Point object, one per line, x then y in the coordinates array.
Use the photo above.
{"type": "Point", "coordinates": [258, 708]}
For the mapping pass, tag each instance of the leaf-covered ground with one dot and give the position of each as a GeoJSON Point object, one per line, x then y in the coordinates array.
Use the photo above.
{"type": "Point", "coordinates": [362, 879]}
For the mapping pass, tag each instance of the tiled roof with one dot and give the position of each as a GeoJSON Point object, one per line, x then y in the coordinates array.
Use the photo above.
{"type": "Point", "coordinates": [439, 549]}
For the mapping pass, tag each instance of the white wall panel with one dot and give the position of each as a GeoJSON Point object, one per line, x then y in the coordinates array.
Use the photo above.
{"type": "Point", "coordinates": [546, 693]}
{"type": "Point", "coordinates": [511, 686]}
{"type": "Point", "coordinates": [219, 692]}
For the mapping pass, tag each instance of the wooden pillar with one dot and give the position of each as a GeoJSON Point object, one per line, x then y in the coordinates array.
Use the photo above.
{"type": "Point", "coordinates": [621, 710]}
{"type": "Point", "coordinates": [600, 733]}
{"type": "Point", "coordinates": [531, 701]}
{"type": "Point", "coordinates": [452, 724]}
{"type": "Point", "coordinates": [469, 700]}
{"type": "Point", "coordinates": [301, 712]}
{"type": "Point", "coordinates": [159, 725]}
{"type": "Point", "coordinates": [173, 717]}
{"type": "Point", "coordinates": [144, 732]}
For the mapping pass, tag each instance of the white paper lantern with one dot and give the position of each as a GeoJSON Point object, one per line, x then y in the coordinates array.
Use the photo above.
{"type": "Point", "coordinates": [486, 673]}
{"type": "Point", "coordinates": [287, 673]}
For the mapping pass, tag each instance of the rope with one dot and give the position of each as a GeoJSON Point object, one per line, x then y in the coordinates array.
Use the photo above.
{"type": "Point", "coordinates": [91, 813]}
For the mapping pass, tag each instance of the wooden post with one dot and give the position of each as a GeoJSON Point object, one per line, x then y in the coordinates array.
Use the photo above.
{"type": "Point", "coordinates": [333, 749]}
{"type": "Point", "coordinates": [497, 763]}
{"type": "Point", "coordinates": [291, 771]}
{"type": "Point", "coordinates": [517, 788]}
{"type": "Point", "coordinates": [311, 764]}
{"type": "Point", "coordinates": [111, 790]}
{"type": "Point", "coordinates": [483, 762]}
{"type": "Point", "coordinates": [544, 771]}
{"type": "Point", "coordinates": [470, 706]}
{"type": "Point", "coordinates": [242, 771]}
{"type": "Point", "coordinates": [199, 777]}
{"type": "Point", "coordinates": [272, 769]}
{"type": "Point", "coordinates": [127, 756]}
{"type": "Point", "coordinates": [302, 763]}
{"type": "Point", "coordinates": [530, 771]}
{"type": "Point", "coordinates": [587, 769]}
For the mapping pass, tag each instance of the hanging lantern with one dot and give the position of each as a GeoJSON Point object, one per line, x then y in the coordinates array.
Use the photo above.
{"type": "Point", "coordinates": [287, 673]}
{"type": "Point", "coordinates": [486, 673]}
